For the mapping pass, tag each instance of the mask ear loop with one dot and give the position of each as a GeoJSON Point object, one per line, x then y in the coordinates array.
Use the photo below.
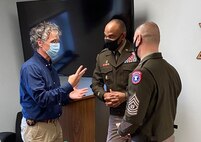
{"type": "Point", "coordinates": [136, 48]}
{"type": "Point", "coordinates": [119, 38]}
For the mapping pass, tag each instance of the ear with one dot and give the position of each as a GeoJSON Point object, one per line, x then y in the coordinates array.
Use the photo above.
{"type": "Point", "coordinates": [138, 40]}
{"type": "Point", "coordinates": [40, 43]}
{"type": "Point", "coordinates": [123, 37]}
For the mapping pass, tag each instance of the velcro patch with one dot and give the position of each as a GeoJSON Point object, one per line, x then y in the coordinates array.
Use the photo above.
{"type": "Point", "coordinates": [133, 105]}
{"type": "Point", "coordinates": [136, 77]}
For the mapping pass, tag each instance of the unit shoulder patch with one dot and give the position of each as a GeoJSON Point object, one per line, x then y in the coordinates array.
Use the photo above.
{"type": "Point", "coordinates": [136, 77]}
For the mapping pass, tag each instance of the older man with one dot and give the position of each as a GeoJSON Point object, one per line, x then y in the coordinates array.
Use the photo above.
{"type": "Point", "coordinates": [41, 95]}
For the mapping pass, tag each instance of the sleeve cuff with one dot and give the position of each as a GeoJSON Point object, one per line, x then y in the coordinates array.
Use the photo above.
{"type": "Point", "coordinates": [100, 95]}
{"type": "Point", "coordinates": [67, 88]}
{"type": "Point", "coordinates": [124, 129]}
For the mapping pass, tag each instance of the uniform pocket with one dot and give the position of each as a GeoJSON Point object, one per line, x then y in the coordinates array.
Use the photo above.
{"type": "Point", "coordinates": [107, 74]}
{"type": "Point", "coordinates": [30, 132]}
{"type": "Point", "coordinates": [106, 69]}
{"type": "Point", "coordinates": [127, 69]}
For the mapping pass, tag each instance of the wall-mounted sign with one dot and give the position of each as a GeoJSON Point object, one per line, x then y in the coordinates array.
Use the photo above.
{"type": "Point", "coordinates": [199, 24]}
{"type": "Point", "coordinates": [199, 56]}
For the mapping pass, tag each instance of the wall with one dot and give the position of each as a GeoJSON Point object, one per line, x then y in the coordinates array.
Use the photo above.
{"type": "Point", "coordinates": [180, 44]}
{"type": "Point", "coordinates": [11, 58]}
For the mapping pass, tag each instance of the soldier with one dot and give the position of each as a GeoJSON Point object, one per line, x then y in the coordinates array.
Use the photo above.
{"type": "Point", "coordinates": [153, 89]}
{"type": "Point", "coordinates": [113, 72]}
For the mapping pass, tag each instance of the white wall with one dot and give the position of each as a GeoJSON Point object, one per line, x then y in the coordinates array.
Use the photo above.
{"type": "Point", "coordinates": [11, 58]}
{"type": "Point", "coordinates": [180, 43]}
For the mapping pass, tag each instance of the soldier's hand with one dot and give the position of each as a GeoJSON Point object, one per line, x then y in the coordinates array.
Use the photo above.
{"type": "Point", "coordinates": [119, 98]}
{"type": "Point", "coordinates": [107, 96]}
{"type": "Point", "coordinates": [114, 98]}
{"type": "Point", "coordinates": [108, 99]}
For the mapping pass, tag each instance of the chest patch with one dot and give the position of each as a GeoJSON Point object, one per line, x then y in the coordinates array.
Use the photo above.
{"type": "Point", "coordinates": [106, 63]}
{"type": "Point", "coordinates": [136, 77]}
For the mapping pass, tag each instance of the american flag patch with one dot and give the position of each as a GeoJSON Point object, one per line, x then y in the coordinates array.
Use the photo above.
{"type": "Point", "coordinates": [131, 58]}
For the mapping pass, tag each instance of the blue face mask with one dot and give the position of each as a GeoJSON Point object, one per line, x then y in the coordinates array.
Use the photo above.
{"type": "Point", "coordinates": [54, 49]}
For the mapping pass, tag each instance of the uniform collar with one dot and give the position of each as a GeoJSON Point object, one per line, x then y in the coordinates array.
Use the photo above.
{"type": "Point", "coordinates": [152, 56]}
{"type": "Point", "coordinates": [122, 47]}
{"type": "Point", "coordinates": [126, 52]}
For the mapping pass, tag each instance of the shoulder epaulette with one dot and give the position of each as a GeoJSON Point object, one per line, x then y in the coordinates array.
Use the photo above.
{"type": "Point", "coordinates": [105, 49]}
{"type": "Point", "coordinates": [141, 64]}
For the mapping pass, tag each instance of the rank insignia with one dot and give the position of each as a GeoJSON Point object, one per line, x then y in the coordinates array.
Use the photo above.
{"type": "Point", "coordinates": [131, 58]}
{"type": "Point", "coordinates": [136, 77]}
{"type": "Point", "coordinates": [133, 105]}
{"type": "Point", "coordinates": [106, 63]}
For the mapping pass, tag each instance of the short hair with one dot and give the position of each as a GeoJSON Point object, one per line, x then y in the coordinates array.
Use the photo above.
{"type": "Point", "coordinates": [42, 31]}
{"type": "Point", "coordinates": [150, 32]}
{"type": "Point", "coordinates": [120, 23]}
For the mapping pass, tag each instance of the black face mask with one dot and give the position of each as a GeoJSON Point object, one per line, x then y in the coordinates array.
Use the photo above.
{"type": "Point", "coordinates": [135, 50]}
{"type": "Point", "coordinates": [111, 44]}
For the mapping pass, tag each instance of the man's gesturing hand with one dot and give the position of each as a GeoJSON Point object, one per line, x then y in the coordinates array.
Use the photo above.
{"type": "Point", "coordinates": [75, 78]}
